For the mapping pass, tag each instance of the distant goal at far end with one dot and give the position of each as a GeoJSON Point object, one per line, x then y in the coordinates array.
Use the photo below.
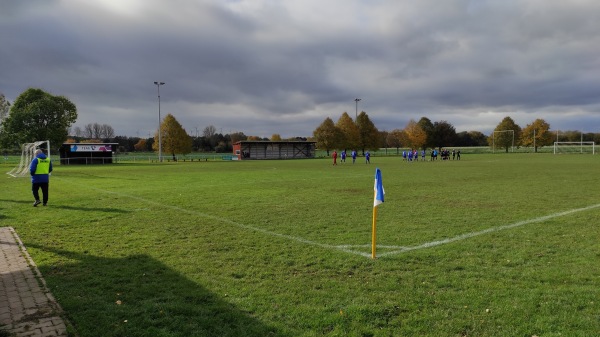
{"type": "Point", "coordinates": [574, 148]}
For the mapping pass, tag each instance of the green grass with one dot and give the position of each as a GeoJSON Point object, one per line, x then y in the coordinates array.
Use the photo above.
{"type": "Point", "coordinates": [280, 248]}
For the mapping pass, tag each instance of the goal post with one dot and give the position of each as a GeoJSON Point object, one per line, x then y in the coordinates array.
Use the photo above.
{"type": "Point", "coordinates": [27, 155]}
{"type": "Point", "coordinates": [574, 147]}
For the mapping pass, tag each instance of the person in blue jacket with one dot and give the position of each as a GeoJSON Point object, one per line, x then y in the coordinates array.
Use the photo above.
{"type": "Point", "coordinates": [40, 169]}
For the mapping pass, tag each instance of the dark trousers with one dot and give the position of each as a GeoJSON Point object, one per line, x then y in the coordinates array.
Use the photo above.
{"type": "Point", "coordinates": [35, 187]}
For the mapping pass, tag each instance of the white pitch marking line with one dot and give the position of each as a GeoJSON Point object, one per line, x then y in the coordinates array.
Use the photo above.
{"type": "Point", "coordinates": [486, 231]}
{"type": "Point", "coordinates": [348, 248]}
{"type": "Point", "coordinates": [237, 224]}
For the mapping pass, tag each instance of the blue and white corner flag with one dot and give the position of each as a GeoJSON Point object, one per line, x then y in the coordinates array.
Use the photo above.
{"type": "Point", "coordinates": [379, 191]}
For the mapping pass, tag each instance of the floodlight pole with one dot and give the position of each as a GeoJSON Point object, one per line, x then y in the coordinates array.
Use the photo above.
{"type": "Point", "coordinates": [356, 113]}
{"type": "Point", "coordinates": [158, 84]}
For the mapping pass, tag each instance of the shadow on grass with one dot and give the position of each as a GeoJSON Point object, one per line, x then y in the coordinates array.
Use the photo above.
{"type": "Point", "coordinates": [94, 209]}
{"type": "Point", "coordinates": [140, 296]}
{"type": "Point", "coordinates": [18, 201]}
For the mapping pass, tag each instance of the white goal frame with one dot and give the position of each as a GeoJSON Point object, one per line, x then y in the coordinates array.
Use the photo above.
{"type": "Point", "coordinates": [27, 155]}
{"type": "Point", "coordinates": [581, 146]}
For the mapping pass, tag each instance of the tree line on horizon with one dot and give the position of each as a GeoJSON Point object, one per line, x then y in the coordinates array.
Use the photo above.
{"type": "Point", "coordinates": [37, 115]}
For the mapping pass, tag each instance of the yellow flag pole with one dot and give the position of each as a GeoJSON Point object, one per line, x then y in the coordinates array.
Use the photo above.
{"type": "Point", "coordinates": [374, 234]}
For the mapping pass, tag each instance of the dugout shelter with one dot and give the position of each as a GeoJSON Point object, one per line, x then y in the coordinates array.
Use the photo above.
{"type": "Point", "coordinates": [87, 153]}
{"type": "Point", "coordinates": [252, 150]}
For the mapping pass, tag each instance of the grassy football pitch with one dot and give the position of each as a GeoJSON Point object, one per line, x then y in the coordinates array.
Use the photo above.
{"type": "Point", "coordinates": [492, 245]}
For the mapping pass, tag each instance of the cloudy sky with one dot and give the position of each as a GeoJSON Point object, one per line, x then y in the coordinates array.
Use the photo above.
{"type": "Point", "coordinates": [282, 66]}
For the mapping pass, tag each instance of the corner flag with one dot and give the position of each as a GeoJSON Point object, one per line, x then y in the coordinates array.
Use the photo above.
{"type": "Point", "coordinates": [377, 200]}
{"type": "Point", "coordinates": [379, 191]}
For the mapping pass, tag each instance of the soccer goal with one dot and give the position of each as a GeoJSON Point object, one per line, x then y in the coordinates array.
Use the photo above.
{"type": "Point", "coordinates": [574, 147]}
{"type": "Point", "coordinates": [27, 155]}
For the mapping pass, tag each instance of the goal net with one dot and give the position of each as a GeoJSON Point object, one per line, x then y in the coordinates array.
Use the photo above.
{"type": "Point", "coordinates": [27, 155]}
{"type": "Point", "coordinates": [574, 147]}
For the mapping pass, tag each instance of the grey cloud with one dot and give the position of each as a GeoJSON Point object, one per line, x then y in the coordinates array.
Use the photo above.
{"type": "Point", "coordinates": [271, 68]}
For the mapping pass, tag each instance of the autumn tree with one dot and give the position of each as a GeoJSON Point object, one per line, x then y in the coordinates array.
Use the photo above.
{"type": "Point", "coordinates": [350, 132]}
{"type": "Point", "coordinates": [174, 138]}
{"type": "Point", "coordinates": [537, 134]}
{"type": "Point", "coordinates": [140, 145]}
{"type": "Point", "coordinates": [369, 135]}
{"type": "Point", "coordinates": [396, 138]}
{"type": "Point", "coordinates": [417, 138]}
{"type": "Point", "coordinates": [276, 137]}
{"type": "Point", "coordinates": [327, 135]}
{"type": "Point", "coordinates": [37, 115]}
{"type": "Point", "coordinates": [506, 134]}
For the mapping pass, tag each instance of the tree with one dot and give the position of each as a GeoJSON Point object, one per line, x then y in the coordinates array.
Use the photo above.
{"type": "Point", "coordinates": [209, 131]}
{"type": "Point", "coordinates": [237, 136]}
{"type": "Point", "coordinates": [350, 132]}
{"type": "Point", "coordinates": [140, 145]}
{"type": "Point", "coordinates": [77, 132]}
{"type": "Point", "coordinates": [471, 138]}
{"type": "Point", "coordinates": [276, 137]}
{"type": "Point", "coordinates": [417, 138]}
{"type": "Point", "coordinates": [4, 107]}
{"type": "Point", "coordinates": [443, 134]}
{"type": "Point", "coordinates": [383, 140]}
{"type": "Point", "coordinates": [327, 135]}
{"type": "Point", "coordinates": [88, 131]}
{"type": "Point", "coordinates": [396, 139]}
{"type": "Point", "coordinates": [537, 134]}
{"type": "Point", "coordinates": [369, 135]}
{"type": "Point", "coordinates": [37, 115]}
{"type": "Point", "coordinates": [97, 130]}
{"type": "Point", "coordinates": [174, 138]}
{"type": "Point", "coordinates": [107, 131]}
{"type": "Point", "coordinates": [505, 139]}
{"type": "Point", "coordinates": [427, 126]}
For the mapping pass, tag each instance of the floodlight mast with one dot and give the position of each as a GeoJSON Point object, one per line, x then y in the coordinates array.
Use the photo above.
{"type": "Point", "coordinates": [356, 111]}
{"type": "Point", "coordinates": [158, 84]}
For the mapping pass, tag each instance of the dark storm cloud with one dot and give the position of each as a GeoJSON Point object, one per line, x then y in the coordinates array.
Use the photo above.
{"type": "Point", "coordinates": [265, 67]}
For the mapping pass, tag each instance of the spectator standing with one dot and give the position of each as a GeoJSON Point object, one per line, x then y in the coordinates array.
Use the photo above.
{"type": "Point", "coordinates": [40, 169]}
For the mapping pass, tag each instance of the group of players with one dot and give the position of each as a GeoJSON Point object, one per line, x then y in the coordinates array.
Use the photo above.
{"type": "Point", "coordinates": [410, 155]}
{"type": "Point", "coordinates": [413, 154]}
{"type": "Point", "coordinates": [334, 155]}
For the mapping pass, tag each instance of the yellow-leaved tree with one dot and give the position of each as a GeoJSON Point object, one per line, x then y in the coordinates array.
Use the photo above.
{"type": "Point", "coordinates": [537, 134]}
{"type": "Point", "coordinates": [416, 136]}
{"type": "Point", "coordinates": [174, 138]}
{"type": "Point", "coordinates": [350, 133]}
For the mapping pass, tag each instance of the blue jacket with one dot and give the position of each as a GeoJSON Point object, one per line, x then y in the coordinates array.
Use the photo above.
{"type": "Point", "coordinates": [39, 178]}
